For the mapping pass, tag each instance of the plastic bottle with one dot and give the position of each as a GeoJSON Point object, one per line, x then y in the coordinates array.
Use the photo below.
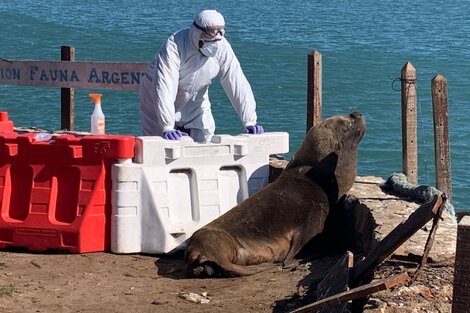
{"type": "Point", "coordinates": [97, 118]}
{"type": "Point", "coordinates": [43, 137]}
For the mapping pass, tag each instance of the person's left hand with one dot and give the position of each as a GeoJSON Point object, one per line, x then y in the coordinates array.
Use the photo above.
{"type": "Point", "coordinates": [254, 129]}
{"type": "Point", "coordinates": [173, 134]}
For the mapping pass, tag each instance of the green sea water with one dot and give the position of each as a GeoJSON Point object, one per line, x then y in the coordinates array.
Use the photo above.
{"type": "Point", "coordinates": [364, 45]}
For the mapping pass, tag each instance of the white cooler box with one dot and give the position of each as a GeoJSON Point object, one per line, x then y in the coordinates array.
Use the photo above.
{"type": "Point", "coordinates": [172, 188]}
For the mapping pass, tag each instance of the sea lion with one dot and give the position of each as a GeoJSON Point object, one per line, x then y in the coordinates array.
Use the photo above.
{"type": "Point", "coordinates": [272, 225]}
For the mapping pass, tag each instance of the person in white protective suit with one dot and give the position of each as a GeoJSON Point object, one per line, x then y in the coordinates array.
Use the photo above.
{"type": "Point", "coordinates": [174, 99]}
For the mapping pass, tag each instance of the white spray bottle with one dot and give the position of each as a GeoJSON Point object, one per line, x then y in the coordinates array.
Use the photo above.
{"type": "Point", "coordinates": [97, 118]}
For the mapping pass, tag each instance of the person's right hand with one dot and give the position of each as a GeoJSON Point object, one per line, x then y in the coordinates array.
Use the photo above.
{"type": "Point", "coordinates": [173, 134]}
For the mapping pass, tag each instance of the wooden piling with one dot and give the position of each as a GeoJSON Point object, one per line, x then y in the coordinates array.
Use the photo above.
{"type": "Point", "coordinates": [314, 89]}
{"type": "Point", "coordinates": [441, 135]}
{"type": "Point", "coordinates": [67, 95]}
{"type": "Point", "coordinates": [409, 123]}
{"type": "Point", "coordinates": [461, 292]}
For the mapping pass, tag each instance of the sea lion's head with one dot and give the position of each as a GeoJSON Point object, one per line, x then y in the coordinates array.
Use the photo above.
{"type": "Point", "coordinates": [330, 147]}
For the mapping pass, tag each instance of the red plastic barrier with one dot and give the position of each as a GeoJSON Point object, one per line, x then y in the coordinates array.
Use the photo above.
{"type": "Point", "coordinates": [57, 194]}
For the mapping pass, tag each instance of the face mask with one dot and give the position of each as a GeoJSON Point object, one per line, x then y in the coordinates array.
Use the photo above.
{"type": "Point", "coordinates": [209, 48]}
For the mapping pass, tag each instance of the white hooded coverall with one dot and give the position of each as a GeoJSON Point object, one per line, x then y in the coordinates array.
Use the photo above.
{"type": "Point", "coordinates": [174, 91]}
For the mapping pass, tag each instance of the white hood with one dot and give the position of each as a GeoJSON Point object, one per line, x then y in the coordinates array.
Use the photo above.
{"type": "Point", "coordinates": [205, 19]}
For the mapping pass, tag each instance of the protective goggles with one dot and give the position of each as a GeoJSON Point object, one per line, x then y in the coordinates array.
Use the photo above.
{"type": "Point", "coordinates": [211, 32]}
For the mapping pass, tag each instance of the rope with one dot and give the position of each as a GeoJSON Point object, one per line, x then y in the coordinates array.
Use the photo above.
{"type": "Point", "coordinates": [398, 184]}
{"type": "Point", "coordinates": [408, 81]}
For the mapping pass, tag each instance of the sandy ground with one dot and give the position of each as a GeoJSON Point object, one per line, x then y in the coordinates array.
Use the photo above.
{"type": "Point", "coordinates": [105, 282]}
{"type": "Point", "coordinates": [102, 282]}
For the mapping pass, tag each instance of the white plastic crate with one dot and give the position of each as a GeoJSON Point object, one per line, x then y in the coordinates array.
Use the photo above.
{"type": "Point", "coordinates": [172, 188]}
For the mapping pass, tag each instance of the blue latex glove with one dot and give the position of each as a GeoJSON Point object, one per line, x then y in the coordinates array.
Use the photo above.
{"type": "Point", "coordinates": [173, 134]}
{"type": "Point", "coordinates": [254, 129]}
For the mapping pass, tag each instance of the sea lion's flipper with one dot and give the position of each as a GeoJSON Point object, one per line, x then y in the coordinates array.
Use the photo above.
{"type": "Point", "coordinates": [205, 269]}
{"type": "Point", "coordinates": [211, 269]}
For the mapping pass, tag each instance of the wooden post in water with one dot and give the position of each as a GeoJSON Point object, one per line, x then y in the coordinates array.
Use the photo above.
{"type": "Point", "coordinates": [67, 95]}
{"type": "Point", "coordinates": [314, 89]}
{"type": "Point", "coordinates": [409, 122]}
{"type": "Point", "coordinates": [441, 135]}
